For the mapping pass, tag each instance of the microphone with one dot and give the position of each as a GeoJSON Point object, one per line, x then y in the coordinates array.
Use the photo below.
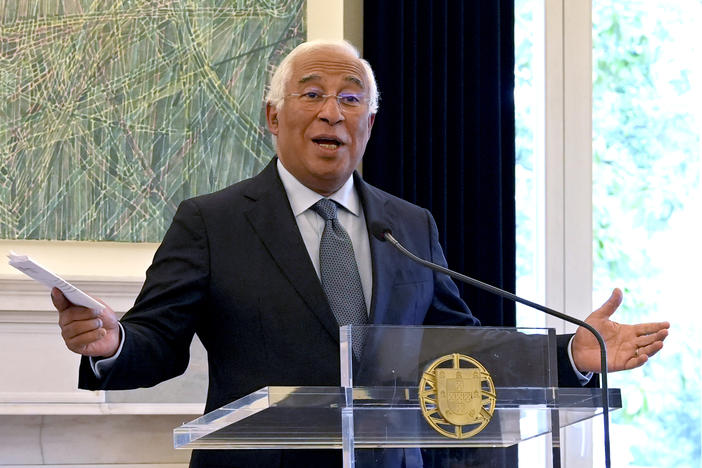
{"type": "Point", "coordinates": [383, 233]}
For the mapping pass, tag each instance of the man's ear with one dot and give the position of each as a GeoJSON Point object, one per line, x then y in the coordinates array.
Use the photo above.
{"type": "Point", "coordinates": [272, 118]}
{"type": "Point", "coordinates": [371, 121]}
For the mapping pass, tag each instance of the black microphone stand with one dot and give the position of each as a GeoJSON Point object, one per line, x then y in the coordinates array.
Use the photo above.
{"type": "Point", "coordinates": [383, 234]}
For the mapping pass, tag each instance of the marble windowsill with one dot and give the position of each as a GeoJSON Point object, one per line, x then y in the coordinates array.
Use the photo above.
{"type": "Point", "coordinates": [90, 440]}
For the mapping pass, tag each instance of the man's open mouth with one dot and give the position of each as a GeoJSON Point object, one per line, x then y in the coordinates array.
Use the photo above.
{"type": "Point", "coordinates": [328, 143]}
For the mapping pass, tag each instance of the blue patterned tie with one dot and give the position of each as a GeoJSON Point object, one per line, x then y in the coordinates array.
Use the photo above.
{"type": "Point", "coordinates": [340, 278]}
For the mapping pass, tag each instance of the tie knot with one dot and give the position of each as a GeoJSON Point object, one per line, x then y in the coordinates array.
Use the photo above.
{"type": "Point", "coordinates": [325, 208]}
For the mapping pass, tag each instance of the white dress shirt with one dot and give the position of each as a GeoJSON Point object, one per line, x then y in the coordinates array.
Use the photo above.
{"type": "Point", "coordinates": [311, 224]}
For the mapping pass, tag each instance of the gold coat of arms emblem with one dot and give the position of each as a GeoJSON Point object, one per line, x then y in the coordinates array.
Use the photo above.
{"type": "Point", "coordinates": [457, 396]}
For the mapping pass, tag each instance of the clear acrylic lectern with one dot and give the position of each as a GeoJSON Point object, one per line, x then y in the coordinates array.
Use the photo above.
{"type": "Point", "coordinates": [388, 401]}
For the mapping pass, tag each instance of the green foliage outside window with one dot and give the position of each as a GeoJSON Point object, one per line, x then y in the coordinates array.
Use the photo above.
{"type": "Point", "coordinates": [647, 122]}
{"type": "Point", "coordinates": [525, 103]}
{"type": "Point", "coordinates": [646, 169]}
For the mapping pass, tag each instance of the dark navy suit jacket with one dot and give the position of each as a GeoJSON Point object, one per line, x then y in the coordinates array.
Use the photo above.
{"type": "Point", "coordinates": [234, 269]}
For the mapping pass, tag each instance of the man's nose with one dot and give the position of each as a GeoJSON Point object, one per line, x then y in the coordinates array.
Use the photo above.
{"type": "Point", "coordinates": [330, 111]}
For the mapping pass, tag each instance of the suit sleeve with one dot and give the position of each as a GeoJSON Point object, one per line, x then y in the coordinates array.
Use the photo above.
{"type": "Point", "coordinates": [160, 326]}
{"type": "Point", "coordinates": [566, 374]}
{"type": "Point", "coordinates": [447, 306]}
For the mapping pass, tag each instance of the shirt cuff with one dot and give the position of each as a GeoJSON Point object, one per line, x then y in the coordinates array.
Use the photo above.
{"type": "Point", "coordinates": [103, 365]}
{"type": "Point", "coordinates": [583, 378]}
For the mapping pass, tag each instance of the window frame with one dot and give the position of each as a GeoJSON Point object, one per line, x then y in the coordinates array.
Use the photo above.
{"type": "Point", "coordinates": [567, 180]}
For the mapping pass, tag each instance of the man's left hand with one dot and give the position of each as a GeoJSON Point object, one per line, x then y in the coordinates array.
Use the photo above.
{"type": "Point", "coordinates": [628, 346]}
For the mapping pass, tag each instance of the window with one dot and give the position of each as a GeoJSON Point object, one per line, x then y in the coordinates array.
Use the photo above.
{"type": "Point", "coordinates": [529, 170]}
{"type": "Point", "coordinates": [647, 121]}
{"type": "Point", "coordinates": [646, 199]}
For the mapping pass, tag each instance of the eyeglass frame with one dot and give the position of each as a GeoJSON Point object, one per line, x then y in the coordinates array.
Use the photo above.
{"type": "Point", "coordinates": [362, 99]}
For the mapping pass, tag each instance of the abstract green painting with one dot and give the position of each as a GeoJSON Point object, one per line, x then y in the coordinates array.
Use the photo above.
{"type": "Point", "coordinates": [112, 112]}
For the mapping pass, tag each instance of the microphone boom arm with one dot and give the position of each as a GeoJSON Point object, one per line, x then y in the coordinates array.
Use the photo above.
{"type": "Point", "coordinates": [387, 235]}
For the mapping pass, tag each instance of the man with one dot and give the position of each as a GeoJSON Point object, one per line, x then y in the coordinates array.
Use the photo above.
{"type": "Point", "coordinates": [247, 268]}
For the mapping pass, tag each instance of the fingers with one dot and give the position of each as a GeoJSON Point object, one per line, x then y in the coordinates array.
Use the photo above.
{"type": "Point", "coordinates": [646, 347]}
{"type": "Point", "coordinates": [59, 300]}
{"type": "Point", "coordinates": [636, 361]}
{"type": "Point", "coordinates": [80, 326]}
{"type": "Point", "coordinates": [69, 313]}
{"type": "Point", "coordinates": [648, 338]}
{"type": "Point", "coordinates": [76, 328]}
{"type": "Point", "coordinates": [78, 335]}
{"type": "Point", "coordinates": [641, 355]}
{"type": "Point", "coordinates": [650, 345]}
{"type": "Point", "coordinates": [76, 313]}
{"type": "Point", "coordinates": [108, 317]}
{"type": "Point", "coordinates": [86, 331]}
{"type": "Point", "coordinates": [611, 304]}
{"type": "Point", "coordinates": [652, 328]}
{"type": "Point", "coordinates": [651, 349]}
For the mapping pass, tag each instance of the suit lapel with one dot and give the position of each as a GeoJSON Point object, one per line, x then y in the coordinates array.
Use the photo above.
{"type": "Point", "coordinates": [377, 209]}
{"type": "Point", "coordinates": [274, 223]}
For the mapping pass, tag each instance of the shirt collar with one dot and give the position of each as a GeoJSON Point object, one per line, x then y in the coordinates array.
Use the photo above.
{"type": "Point", "coordinates": [302, 198]}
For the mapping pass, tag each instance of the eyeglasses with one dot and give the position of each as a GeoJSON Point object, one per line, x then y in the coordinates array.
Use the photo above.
{"type": "Point", "coordinates": [314, 99]}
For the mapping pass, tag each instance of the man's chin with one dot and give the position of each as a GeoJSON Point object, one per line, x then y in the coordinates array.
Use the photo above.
{"type": "Point", "coordinates": [328, 182]}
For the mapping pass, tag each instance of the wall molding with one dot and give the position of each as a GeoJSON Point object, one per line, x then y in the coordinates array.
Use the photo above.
{"type": "Point", "coordinates": [87, 408]}
{"type": "Point", "coordinates": [27, 301]}
{"type": "Point", "coordinates": [23, 402]}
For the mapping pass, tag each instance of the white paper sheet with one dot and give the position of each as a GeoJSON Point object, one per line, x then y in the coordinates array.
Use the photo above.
{"type": "Point", "coordinates": [38, 273]}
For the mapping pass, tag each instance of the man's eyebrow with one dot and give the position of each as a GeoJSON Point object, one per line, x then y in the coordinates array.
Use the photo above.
{"type": "Point", "coordinates": [350, 78]}
{"type": "Point", "coordinates": [307, 78]}
{"type": "Point", "coordinates": [353, 79]}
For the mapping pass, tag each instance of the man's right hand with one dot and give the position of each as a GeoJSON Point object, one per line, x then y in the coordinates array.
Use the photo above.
{"type": "Point", "coordinates": [86, 331]}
